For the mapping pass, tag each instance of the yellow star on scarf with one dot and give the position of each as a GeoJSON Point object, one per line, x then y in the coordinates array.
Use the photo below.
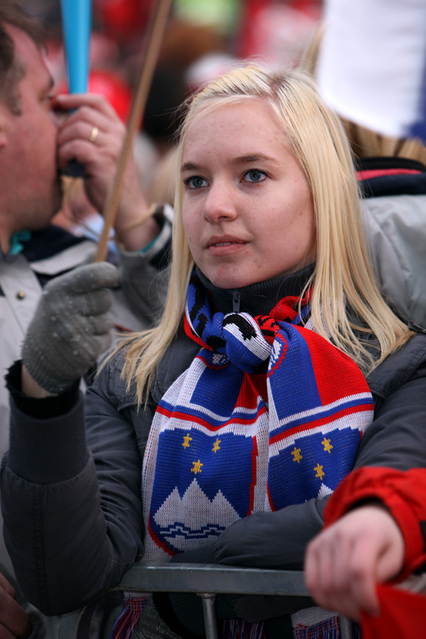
{"type": "Point", "coordinates": [320, 472]}
{"type": "Point", "coordinates": [296, 455]}
{"type": "Point", "coordinates": [216, 446]}
{"type": "Point", "coordinates": [327, 445]}
{"type": "Point", "coordinates": [186, 441]}
{"type": "Point", "coordinates": [196, 468]}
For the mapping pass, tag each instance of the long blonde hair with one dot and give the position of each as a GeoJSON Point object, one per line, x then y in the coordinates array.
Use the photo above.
{"type": "Point", "coordinates": [342, 276]}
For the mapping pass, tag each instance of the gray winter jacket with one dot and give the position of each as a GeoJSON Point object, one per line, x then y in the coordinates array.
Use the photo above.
{"type": "Point", "coordinates": [393, 219]}
{"type": "Point", "coordinates": [395, 231]}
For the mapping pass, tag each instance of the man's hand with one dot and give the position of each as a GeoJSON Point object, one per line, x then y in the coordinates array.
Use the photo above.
{"type": "Point", "coordinates": [344, 563]}
{"type": "Point", "coordinates": [14, 621]}
{"type": "Point", "coordinates": [93, 134]}
{"type": "Point", "coordinates": [71, 327]}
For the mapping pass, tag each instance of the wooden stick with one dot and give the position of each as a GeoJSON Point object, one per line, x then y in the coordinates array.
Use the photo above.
{"type": "Point", "coordinates": [153, 42]}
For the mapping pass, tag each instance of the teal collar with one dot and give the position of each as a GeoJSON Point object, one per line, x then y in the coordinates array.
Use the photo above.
{"type": "Point", "coordinates": [16, 240]}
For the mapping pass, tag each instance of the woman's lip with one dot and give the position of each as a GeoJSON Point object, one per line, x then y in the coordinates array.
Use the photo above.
{"type": "Point", "coordinates": [225, 247]}
{"type": "Point", "coordinates": [224, 242]}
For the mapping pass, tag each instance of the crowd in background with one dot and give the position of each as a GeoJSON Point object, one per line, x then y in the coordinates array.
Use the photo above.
{"type": "Point", "coordinates": [202, 40]}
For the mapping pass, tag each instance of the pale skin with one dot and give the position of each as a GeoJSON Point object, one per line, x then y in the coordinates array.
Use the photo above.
{"type": "Point", "coordinates": [247, 207]}
{"type": "Point", "coordinates": [346, 561]}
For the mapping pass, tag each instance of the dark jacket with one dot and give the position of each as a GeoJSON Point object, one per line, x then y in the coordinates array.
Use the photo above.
{"type": "Point", "coordinates": [71, 490]}
{"type": "Point", "coordinates": [44, 255]}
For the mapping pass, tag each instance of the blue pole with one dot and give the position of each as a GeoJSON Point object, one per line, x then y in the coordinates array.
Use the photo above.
{"type": "Point", "coordinates": [76, 25]}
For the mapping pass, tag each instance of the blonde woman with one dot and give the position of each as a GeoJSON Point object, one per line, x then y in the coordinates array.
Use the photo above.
{"type": "Point", "coordinates": [219, 435]}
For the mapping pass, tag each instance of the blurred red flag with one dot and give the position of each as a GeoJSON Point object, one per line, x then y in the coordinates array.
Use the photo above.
{"type": "Point", "coordinates": [123, 18]}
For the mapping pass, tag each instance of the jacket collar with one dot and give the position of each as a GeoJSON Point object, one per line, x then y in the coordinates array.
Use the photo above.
{"type": "Point", "coordinates": [380, 176]}
{"type": "Point", "coordinates": [259, 298]}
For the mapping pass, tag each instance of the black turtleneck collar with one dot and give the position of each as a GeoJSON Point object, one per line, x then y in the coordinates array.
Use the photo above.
{"type": "Point", "coordinates": [259, 298]}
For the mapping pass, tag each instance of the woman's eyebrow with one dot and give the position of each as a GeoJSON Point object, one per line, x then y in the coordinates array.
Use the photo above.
{"type": "Point", "coordinates": [255, 157]}
{"type": "Point", "coordinates": [189, 166]}
{"type": "Point", "coordinates": [240, 159]}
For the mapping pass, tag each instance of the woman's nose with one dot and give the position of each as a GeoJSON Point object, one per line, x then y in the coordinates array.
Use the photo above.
{"type": "Point", "coordinates": [219, 203]}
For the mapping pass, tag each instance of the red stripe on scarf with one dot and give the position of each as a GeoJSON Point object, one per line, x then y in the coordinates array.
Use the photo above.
{"type": "Point", "coordinates": [198, 420]}
{"type": "Point", "coordinates": [158, 541]}
{"type": "Point", "coordinates": [254, 455]}
{"type": "Point", "coordinates": [310, 425]}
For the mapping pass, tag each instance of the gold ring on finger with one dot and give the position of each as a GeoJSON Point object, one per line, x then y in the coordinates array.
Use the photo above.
{"type": "Point", "coordinates": [94, 134]}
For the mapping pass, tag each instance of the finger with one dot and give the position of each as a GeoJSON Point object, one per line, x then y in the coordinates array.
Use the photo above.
{"type": "Point", "coordinates": [84, 279]}
{"type": "Point", "coordinates": [321, 561]}
{"type": "Point", "coordinates": [353, 575]}
{"type": "Point", "coordinates": [354, 580]}
{"type": "Point", "coordinates": [391, 560]}
{"type": "Point", "coordinates": [100, 324]}
{"type": "Point", "coordinates": [14, 621]}
{"type": "Point", "coordinates": [310, 569]}
{"type": "Point", "coordinates": [364, 574]}
{"type": "Point", "coordinates": [103, 151]}
{"type": "Point", "coordinates": [6, 634]}
{"type": "Point", "coordinates": [7, 586]}
{"type": "Point", "coordinates": [78, 126]}
{"type": "Point", "coordinates": [329, 581]}
{"type": "Point", "coordinates": [80, 339]}
{"type": "Point", "coordinates": [96, 101]}
{"type": "Point", "coordinates": [75, 139]}
{"type": "Point", "coordinates": [95, 157]}
{"type": "Point", "coordinates": [100, 343]}
{"type": "Point", "coordinates": [96, 303]}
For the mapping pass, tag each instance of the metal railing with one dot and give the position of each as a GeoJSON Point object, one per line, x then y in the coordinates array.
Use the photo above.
{"type": "Point", "coordinates": [207, 581]}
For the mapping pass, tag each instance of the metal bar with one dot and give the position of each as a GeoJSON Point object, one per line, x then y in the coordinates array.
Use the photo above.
{"type": "Point", "coordinates": [210, 624]}
{"type": "Point", "coordinates": [207, 580]}
{"type": "Point", "coordinates": [346, 628]}
{"type": "Point", "coordinates": [212, 578]}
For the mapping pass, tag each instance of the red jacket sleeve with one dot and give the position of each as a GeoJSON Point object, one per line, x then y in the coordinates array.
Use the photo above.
{"type": "Point", "coordinates": [403, 493]}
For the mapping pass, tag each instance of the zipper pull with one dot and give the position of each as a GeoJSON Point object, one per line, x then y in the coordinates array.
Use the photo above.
{"type": "Point", "coordinates": [236, 299]}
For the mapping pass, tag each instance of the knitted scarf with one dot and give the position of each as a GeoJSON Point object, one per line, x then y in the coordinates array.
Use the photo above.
{"type": "Point", "coordinates": [268, 414]}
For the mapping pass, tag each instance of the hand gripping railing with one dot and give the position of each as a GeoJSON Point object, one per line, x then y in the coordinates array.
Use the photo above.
{"type": "Point", "coordinates": [207, 581]}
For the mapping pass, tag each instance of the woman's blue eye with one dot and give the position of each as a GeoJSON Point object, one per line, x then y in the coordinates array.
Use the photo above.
{"type": "Point", "coordinates": [254, 175]}
{"type": "Point", "coordinates": [195, 182]}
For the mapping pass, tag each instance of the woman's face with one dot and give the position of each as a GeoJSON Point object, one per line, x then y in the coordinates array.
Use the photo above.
{"type": "Point", "coordinates": [247, 208]}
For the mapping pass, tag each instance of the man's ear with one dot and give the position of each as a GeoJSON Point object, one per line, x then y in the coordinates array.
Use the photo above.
{"type": "Point", "coordinates": [6, 122]}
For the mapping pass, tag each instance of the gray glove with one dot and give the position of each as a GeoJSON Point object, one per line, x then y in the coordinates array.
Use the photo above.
{"type": "Point", "coordinates": [71, 326]}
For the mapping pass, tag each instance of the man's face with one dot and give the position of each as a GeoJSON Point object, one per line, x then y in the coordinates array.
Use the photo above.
{"type": "Point", "coordinates": [30, 187]}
